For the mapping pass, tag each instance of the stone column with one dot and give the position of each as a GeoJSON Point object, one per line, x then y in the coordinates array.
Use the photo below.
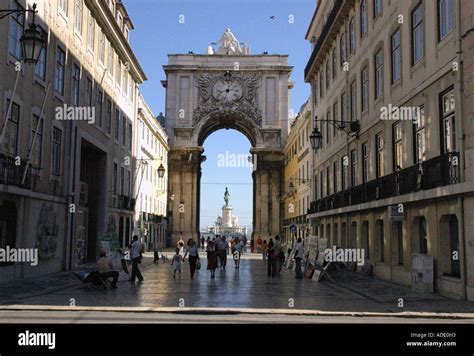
{"type": "Point", "coordinates": [184, 177]}
{"type": "Point", "coordinates": [267, 191]}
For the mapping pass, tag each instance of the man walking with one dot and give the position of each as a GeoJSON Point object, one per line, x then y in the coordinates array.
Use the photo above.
{"type": "Point", "coordinates": [298, 258]}
{"type": "Point", "coordinates": [136, 256]}
{"type": "Point", "coordinates": [223, 248]}
{"type": "Point", "coordinates": [278, 250]}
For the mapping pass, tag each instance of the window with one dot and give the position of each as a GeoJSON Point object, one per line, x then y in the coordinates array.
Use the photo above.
{"type": "Point", "coordinates": [396, 56]}
{"type": "Point", "coordinates": [114, 179]}
{"type": "Point", "coordinates": [110, 67]}
{"type": "Point", "coordinates": [422, 235]}
{"type": "Point", "coordinates": [328, 127]}
{"type": "Point", "coordinates": [334, 63]}
{"type": "Point", "coordinates": [118, 73]}
{"type": "Point", "coordinates": [78, 16]}
{"type": "Point", "coordinates": [445, 18]}
{"type": "Point", "coordinates": [353, 168]}
{"type": "Point", "coordinates": [122, 181]}
{"type": "Point", "coordinates": [40, 67]}
{"type": "Point", "coordinates": [419, 137]}
{"type": "Point", "coordinates": [10, 142]}
{"type": "Point", "coordinates": [448, 122]}
{"type": "Point", "coordinates": [365, 88]}
{"type": "Point", "coordinates": [327, 74]}
{"type": "Point", "coordinates": [352, 36]}
{"type": "Point", "coordinates": [335, 118]}
{"type": "Point", "coordinates": [130, 137]}
{"type": "Point", "coordinates": [117, 124]}
{"type": "Point", "coordinates": [335, 175]}
{"type": "Point", "coordinates": [379, 155]}
{"type": "Point", "coordinates": [90, 32]}
{"type": "Point", "coordinates": [328, 180]}
{"type": "Point", "coordinates": [378, 7]}
{"type": "Point", "coordinates": [129, 185]}
{"type": "Point", "coordinates": [353, 101]}
{"type": "Point", "coordinates": [101, 47]}
{"type": "Point", "coordinates": [108, 122]}
{"type": "Point", "coordinates": [100, 101]}
{"type": "Point", "coordinates": [321, 183]}
{"type": "Point", "coordinates": [343, 172]}
{"type": "Point", "coordinates": [365, 162]}
{"type": "Point", "coordinates": [60, 67]}
{"type": "Point", "coordinates": [378, 74]}
{"type": "Point", "coordinates": [321, 84]}
{"type": "Point", "coordinates": [417, 33]}
{"type": "Point", "coordinates": [381, 237]}
{"type": "Point", "coordinates": [63, 6]}
{"type": "Point", "coordinates": [124, 130]}
{"type": "Point", "coordinates": [342, 49]}
{"type": "Point", "coordinates": [343, 107]}
{"type": "Point", "coordinates": [454, 246]}
{"type": "Point", "coordinates": [76, 77]}
{"type": "Point", "coordinates": [36, 149]}
{"type": "Point", "coordinates": [56, 151]}
{"type": "Point", "coordinates": [399, 235]}
{"type": "Point", "coordinates": [88, 92]}
{"type": "Point", "coordinates": [364, 18]}
{"type": "Point", "coordinates": [397, 146]}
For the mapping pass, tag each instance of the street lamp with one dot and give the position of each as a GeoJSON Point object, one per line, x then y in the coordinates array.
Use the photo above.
{"type": "Point", "coordinates": [32, 40]}
{"type": "Point", "coordinates": [351, 128]}
{"type": "Point", "coordinates": [291, 188]}
{"type": "Point", "coordinates": [161, 169]}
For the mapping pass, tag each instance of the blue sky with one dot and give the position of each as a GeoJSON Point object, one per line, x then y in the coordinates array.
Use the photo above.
{"type": "Point", "coordinates": [158, 32]}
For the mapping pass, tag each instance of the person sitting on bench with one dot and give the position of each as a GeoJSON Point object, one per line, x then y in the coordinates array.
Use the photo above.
{"type": "Point", "coordinates": [105, 267]}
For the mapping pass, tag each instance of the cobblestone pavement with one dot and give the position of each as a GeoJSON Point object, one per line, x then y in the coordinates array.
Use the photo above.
{"type": "Point", "coordinates": [249, 287]}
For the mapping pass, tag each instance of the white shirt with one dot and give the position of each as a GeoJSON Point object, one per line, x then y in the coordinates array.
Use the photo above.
{"type": "Point", "coordinates": [136, 249]}
{"type": "Point", "coordinates": [299, 250]}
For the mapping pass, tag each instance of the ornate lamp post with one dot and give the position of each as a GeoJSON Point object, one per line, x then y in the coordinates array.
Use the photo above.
{"type": "Point", "coordinates": [351, 128]}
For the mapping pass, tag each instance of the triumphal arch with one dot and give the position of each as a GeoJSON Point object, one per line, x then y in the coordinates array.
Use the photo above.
{"type": "Point", "coordinates": [226, 88]}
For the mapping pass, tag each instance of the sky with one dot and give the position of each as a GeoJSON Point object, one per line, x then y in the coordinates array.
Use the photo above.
{"type": "Point", "coordinates": [159, 32]}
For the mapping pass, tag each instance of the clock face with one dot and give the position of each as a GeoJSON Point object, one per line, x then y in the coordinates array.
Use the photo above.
{"type": "Point", "coordinates": [227, 91]}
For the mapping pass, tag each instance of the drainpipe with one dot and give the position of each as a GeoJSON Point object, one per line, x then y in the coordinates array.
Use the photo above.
{"type": "Point", "coordinates": [460, 109]}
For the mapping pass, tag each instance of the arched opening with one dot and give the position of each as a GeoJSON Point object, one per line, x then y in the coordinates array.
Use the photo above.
{"type": "Point", "coordinates": [226, 172]}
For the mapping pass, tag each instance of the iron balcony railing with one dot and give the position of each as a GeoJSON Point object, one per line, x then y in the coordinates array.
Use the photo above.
{"type": "Point", "coordinates": [436, 172]}
{"type": "Point", "coordinates": [126, 203]}
{"type": "Point", "coordinates": [12, 173]}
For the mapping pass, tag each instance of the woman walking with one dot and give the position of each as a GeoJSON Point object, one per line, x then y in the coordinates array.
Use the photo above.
{"type": "Point", "coordinates": [271, 259]}
{"type": "Point", "coordinates": [237, 251]}
{"type": "Point", "coordinates": [212, 258]}
{"type": "Point", "coordinates": [192, 251]}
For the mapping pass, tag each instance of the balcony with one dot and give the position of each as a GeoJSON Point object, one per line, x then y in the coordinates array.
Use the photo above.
{"type": "Point", "coordinates": [12, 174]}
{"type": "Point", "coordinates": [126, 203]}
{"type": "Point", "coordinates": [433, 173]}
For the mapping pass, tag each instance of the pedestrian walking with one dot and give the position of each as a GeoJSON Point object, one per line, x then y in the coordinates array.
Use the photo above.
{"type": "Point", "coordinates": [271, 270]}
{"type": "Point", "coordinates": [212, 258]}
{"type": "Point", "coordinates": [252, 245]}
{"type": "Point", "coordinates": [278, 255]}
{"type": "Point", "coordinates": [193, 253]}
{"type": "Point", "coordinates": [237, 252]}
{"type": "Point", "coordinates": [202, 242]}
{"type": "Point", "coordinates": [264, 250]}
{"type": "Point", "coordinates": [136, 252]}
{"type": "Point", "coordinates": [244, 245]}
{"type": "Point", "coordinates": [223, 250]}
{"type": "Point", "coordinates": [259, 244]}
{"type": "Point", "coordinates": [298, 258]}
{"type": "Point", "coordinates": [176, 263]}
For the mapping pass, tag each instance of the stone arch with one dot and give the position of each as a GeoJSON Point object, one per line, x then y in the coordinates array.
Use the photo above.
{"type": "Point", "coordinates": [227, 120]}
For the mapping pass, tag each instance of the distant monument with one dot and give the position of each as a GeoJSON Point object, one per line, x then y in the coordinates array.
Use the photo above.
{"type": "Point", "coordinates": [227, 224]}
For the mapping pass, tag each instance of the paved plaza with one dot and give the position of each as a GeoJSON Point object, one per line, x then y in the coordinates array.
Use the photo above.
{"type": "Point", "coordinates": [248, 287]}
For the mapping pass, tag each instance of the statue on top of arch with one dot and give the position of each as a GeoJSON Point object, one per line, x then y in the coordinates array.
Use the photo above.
{"type": "Point", "coordinates": [229, 45]}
